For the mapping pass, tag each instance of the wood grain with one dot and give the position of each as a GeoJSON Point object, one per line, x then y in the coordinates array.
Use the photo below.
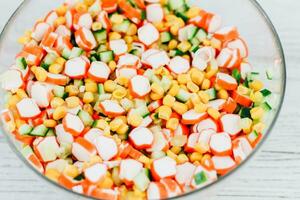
{"type": "Point", "coordinates": [273, 173]}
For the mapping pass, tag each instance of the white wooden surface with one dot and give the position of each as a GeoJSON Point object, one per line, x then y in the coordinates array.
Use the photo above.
{"type": "Point", "coordinates": [273, 173]}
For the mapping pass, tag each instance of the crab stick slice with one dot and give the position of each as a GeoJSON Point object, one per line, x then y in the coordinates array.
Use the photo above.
{"type": "Point", "coordinates": [157, 190]}
{"type": "Point", "coordinates": [241, 149]}
{"type": "Point", "coordinates": [171, 186]}
{"type": "Point", "coordinates": [192, 117]}
{"type": "Point", "coordinates": [205, 137]}
{"type": "Point", "coordinates": [111, 108]}
{"type": "Point", "coordinates": [41, 94]}
{"type": "Point", "coordinates": [231, 124]}
{"type": "Point", "coordinates": [224, 58]}
{"type": "Point", "coordinates": [160, 142]}
{"type": "Point", "coordinates": [82, 20]}
{"type": "Point", "coordinates": [235, 60]}
{"type": "Point", "coordinates": [11, 80]}
{"type": "Point", "coordinates": [164, 167]}
{"type": "Point", "coordinates": [69, 18]}
{"type": "Point", "coordinates": [119, 47]}
{"type": "Point", "coordinates": [141, 138]}
{"type": "Point", "coordinates": [179, 65]}
{"type": "Point", "coordinates": [109, 6]}
{"type": "Point", "coordinates": [184, 173]}
{"type": "Point", "coordinates": [95, 173]}
{"type": "Point", "coordinates": [28, 108]}
{"type": "Point", "coordinates": [202, 57]}
{"type": "Point", "coordinates": [63, 42]}
{"type": "Point", "coordinates": [191, 143]}
{"type": "Point", "coordinates": [73, 124]}
{"type": "Point", "coordinates": [146, 54]}
{"type": "Point", "coordinates": [76, 67]}
{"type": "Point", "coordinates": [148, 34]}
{"type": "Point", "coordinates": [92, 134]}
{"type": "Point", "coordinates": [63, 137]}
{"type": "Point", "coordinates": [220, 144]}
{"type": "Point", "coordinates": [57, 79]}
{"type": "Point", "coordinates": [245, 69]}
{"type": "Point", "coordinates": [99, 71]}
{"type": "Point", "coordinates": [202, 177]}
{"type": "Point", "coordinates": [129, 60]}
{"type": "Point", "coordinates": [110, 194]}
{"type": "Point", "coordinates": [223, 164]}
{"type": "Point", "coordinates": [154, 13]}
{"type": "Point", "coordinates": [63, 31]}
{"type": "Point", "coordinates": [104, 20]}
{"type": "Point", "coordinates": [146, 122]}
{"type": "Point", "coordinates": [129, 168]}
{"type": "Point", "coordinates": [40, 30]}
{"type": "Point", "coordinates": [207, 124]}
{"type": "Point", "coordinates": [67, 182]}
{"type": "Point", "coordinates": [227, 33]}
{"type": "Point", "coordinates": [239, 44]}
{"type": "Point", "coordinates": [182, 130]}
{"type": "Point", "coordinates": [139, 86]}
{"type": "Point", "coordinates": [83, 150]}
{"type": "Point", "coordinates": [49, 40]}
{"type": "Point", "coordinates": [241, 99]}
{"type": "Point", "coordinates": [46, 148]}
{"type": "Point", "coordinates": [95, 8]}
{"type": "Point", "coordinates": [127, 72]}
{"type": "Point", "coordinates": [213, 23]}
{"type": "Point", "coordinates": [200, 20]}
{"type": "Point", "coordinates": [154, 105]}
{"type": "Point", "coordinates": [158, 59]}
{"type": "Point", "coordinates": [229, 106]}
{"type": "Point", "coordinates": [85, 39]}
{"type": "Point", "coordinates": [106, 147]}
{"type": "Point", "coordinates": [217, 104]}
{"type": "Point", "coordinates": [226, 81]}
{"type": "Point", "coordinates": [51, 17]}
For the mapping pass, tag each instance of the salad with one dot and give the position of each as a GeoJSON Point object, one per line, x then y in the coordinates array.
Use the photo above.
{"type": "Point", "coordinates": [133, 99]}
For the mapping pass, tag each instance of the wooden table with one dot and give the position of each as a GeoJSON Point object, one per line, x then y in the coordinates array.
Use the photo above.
{"type": "Point", "coordinates": [274, 171]}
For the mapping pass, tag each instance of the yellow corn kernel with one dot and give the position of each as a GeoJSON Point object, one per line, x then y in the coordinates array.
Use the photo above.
{"type": "Point", "coordinates": [196, 156]}
{"type": "Point", "coordinates": [59, 21]}
{"type": "Point", "coordinates": [183, 78]}
{"type": "Point", "coordinates": [197, 76]}
{"type": "Point", "coordinates": [88, 97]}
{"type": "Point", "coordinates": [56, 102]}
{"type": "Point", "coordinates": [88, 108]}
{"type": "Point", "coordinates": [190, 104]}
{"type": "Point", "coordinates": [132, 30]}
{"type": "Point", "coordinates": [56, 68]}
{"type": "Point", "coordinates": [203, 96]}
{"type": "Point", "coordinates": [159, 26]}
{"type": "Point", "coordinates": [184, 46]}
{"type": "Point", "coordinates": [60, 60]}
{"type": "Point", "coordinates": [156, 88]}
{"type": "Point", "coordinates": [192, 87]}
{"type": "Point", "coordinates": [89, 2]}
{"type": "Point", "coordinates": [114, 36]}
{"type": "Point", "coordinates": [123, 81]}
{"type": "Point", "coordinates": [201, 148]}
{"type": "Point", "coordinates": [71, 171]}
{"type": "Point", "coordinates": [174, 90]}
{"type": "Point", "coordinates": [40, 74]}
{"type": "Point", "coordinates": [182, 158]}
{"type": "Point", "coordinates": [243, 90]}
{"type": "Point", "coordinates": [59, 113]}
{"type": "Point", "coordinates": [128, 39]}
{"type": "Point", "coordinates": [112, 65]}
{"type": "Point", "coordinates": [187, 57]}
{"type": "Point", "coordinates": [123, 118]}
{"type": "Point", "coordinates": [257, 113]}
{"type": "Point", "coordinates": [256, 97]}
{"type": "Point", "coordinates": [61, 10]}
{"type": "Point", "coordinates": [164, 112]}
{"type": "Point", "coordinates": [210, 73]}
{"type": "Point", "coordinates": [21, 93]}
{"type": "Point", "coordinates": [195, 99]}
{"type": "Point", "coordinates": [107, 183]}
{"type": "Point", "coordinates": [205, 84]}
{"type": "Point", "coordinates": [50, 123]}
{"type": "Point", "coordinates": [200, 107]}
{"type": "Point", "coordinates": [176, 149]}
{"type": "Point", "coordinates": [246, 124]}
{"type": "Point", "coordinates": [117, 19]}
{"type": "Point", "coordinates": [206, 42]}
{"type": "Point", "coordinates": [72, 90]}
{"type": "Point", "coordinates": [95, 159]}
{"type": "Point", "coordinates": [109, 86]}
{"type": "Point", "coordinates": [193, 12]}
{"type": "Point", "coordinates": [215, 114]}
{"type": "Point", "coordinates": [81, 7]}
{"type": "Point", "coordinates": [13, 100]}
{"type": "Point", "coordinates": [120, 93]}
{"type": "Point", "coordinates": [135, 120]}
{"type": "Point", "coordinates": [144, 159]}
{"type": "Point", "coordinates": [171, 154]}
{"type": "Point", "coordinates": [91, 87]}
{"type": "Point", "coordinates": [96, 26]}
{"type": "Point", "coordinates": [72, 102]}
{"type": "Point", "coordinates": [180, 108]}
{"type": "Point", "coordinates": [154, 96]}
{"type": "Point", "coordinates": [169, 100]}
{"type": "Point", "coordinates": [172, 124]}
{"type": "Point", "coordinates": [259, 127]}
{"type": "Point", "coordinates": [23, 40]}
{"type": "Point", "coordinates": [223, 94]}
{"type": "Point", "coordinates": [172, 44]}
{"type": "Point", "coordinates": [101, 124]}
{"type": "Point", "coordinates": [123, 129]}
{"type": "Point", "coordinates": [174, 29]}
{"type": "Point", "coordinates": [256, 85]}
{"type": "Point", "coordinates": [52, 174]}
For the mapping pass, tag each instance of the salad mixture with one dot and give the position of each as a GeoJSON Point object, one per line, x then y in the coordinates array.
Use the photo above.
{"type": "Point", "coordinates": [133, 99]}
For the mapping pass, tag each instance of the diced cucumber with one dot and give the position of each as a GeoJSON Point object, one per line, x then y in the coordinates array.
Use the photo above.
{"type": "Point", "coordinates": [93, 59]}
{"type": "Point", "coordinates": [86, 118]}
{"type": "Point", "coordinates": [245, 113]}
{"type": "Point", "coordinates": [201, 35]}
{"type": "Point", "coordinates": [195, 42]}
{"type": "Point", "coordinates": [21, 63]}
{"type": "Point", "coordinates": [175, 52]}
{"type": "Point", "coordinates": [45, 66]}
{"type": "Point", "coordinates": [194, 48]}
{"type": "Point", "coordinates": [58, 91]}
{"type": "Point", "coordinates": [26, 151]}
{"type": "Point", "coordinates": [165, 83]}
{"type": "Point", "coordinates": [237, 75]}
{"type": "Point", "coordinates": [101, 48]}
{"type": "Point", "coordinates": [135, 52]}
{"type": "Point", "coordinates": [121, 28]}
{"type": "Point", "coordinates": [252, 76]}
{"type": "Point", "coordinates": [200, 178]}
{"type": "Point", "coordinates": [66, 53]}
{"type": "Point", "coordinates": [106, 56]}
{"type": "Point", "coordinates": [269, 73]}
{"type": "Point", "coordinates": [50, 132]}
{"type": "Point", "coordinates": [182, 15]}
{"type": "Point", "coordinates": [101, 89]}
{"type": "Point", "coordinates": [266, 92]}
{"type": "Point", "coordinates": [142, 111]}
{"type": "Point", "coordinates": [176, 4]}
{"type": "Point", "coordinates": [191, 32]}
{"type": "Point", "coordinates": [212, 93]}
{"type": "Point", "coordinates": [155, 79]}
{"type": "Point", "coordinates": [25, 129]}
{"type": "Point", "coordinates": [39, 130]}
{"type": "Point", "coordinates": [165, 37]}
{"type": "Point", "coordinates": [79, 177]}
{"type": "Point", "coordinates": [50, 58]}
{"type": "Point", "coordinates": [100, 36]}
{"type": "Point", "coordinates": [141, 181]}
{"type": "Point", "coordinates": [183, 96]}
{"type": "Point", "coordinates": [266, 106]}
{"type": "Point", "coordinates": [76, 52]}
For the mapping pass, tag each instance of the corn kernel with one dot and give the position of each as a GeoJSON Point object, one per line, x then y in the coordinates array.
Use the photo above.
{"type": "Point", "coordinates": [193, 12]}
{"type": "Point", "coordinates": [135, 120]}
{"type": "Point", "coordinates": [61, 10]}
{"type": "Point", "coordinates": [215, 114]}
{"type": "Point", "coordinates": [205, 158]}
{"type": "Point", "coordinates": [259, 127]}
{"type": "Point", "coordinates": [88, 97]}
{"type": "Point", "coordinates": [50, 123]}
{"type": "Point", "coordinates": [52, 174]}
{"type": "Point", "coordinates": [72, 90]}
{"type": "Point", "coordinates": [192, 87]}
{"type": "Point", "coordinates": [156, 88]}
{"type": "Point", "coordinates": [172, 124]}
{"type": "Point", "coordinates": [174, 90]}
{"type": "Point", "coordinates": [88, 108]}
{"type": "Point", "coordinates": [223, 94]}
{"type": "Point", "coordinates": [13, 100]}
{"type": "Point", "coordinates": [81, 7]}
{"type": "Point", "coordinates": [176, 149]}
{"type": "Point", "coordinates": [101, 124]}
{"type": "Point", "coordinates": [206, 42]}
{"type": "Point", "coordinates": [21, 93]}
{"type": "Point", "coordinates": [144, 159]}
{"type": "Point", "coordinates": [60, 60]}
{"type": "Point", "coordinates": [256, 97]}
{"type": "Point", "coordinates": [172, 44]}
{"type": "Point", "coordinates": [40, 74]}
{"type": "Point", "coordinates": [56, 102]}
{"type": "Point", "coordinates": [187, 57]}
{"type": "Point", "coordinates": [182, 158]}
{"type": "Point", "coordinates": [183, 78]}
{"type": "Point", "coordinates": [107, 183]}
{"type": "Point", "coordinates": [91, 87]}
{"type": "Point", "coordinates": [184, 46]}
{"type": "Point", "coordinates": [124, 81]}
{"type": "Point", "coordinates": [23, 40]}
{"type": "Point", "coordinates": [132, 30]}
{"type": "Point", "coordinates": [205, 84]}
{"type": "Point", "coordinates": [169, 100]}
{"type": "Point", "coordinates": [120, 93]}
{"type": "Point", "coordinates": [72, 102]}
{"type": "Point", "coordinates": [109, 86]}
{"type": "Point", "coordinates": [197, 77]}
{"type": "Point", "coordinates": [257, 113]}
{"type": "Point", "coordinates": [171, 154]}
{"type": "Point", "coordinates": [243, 90]}
{"type": "Point", "coordinates": [174, 29]}
{"type": "Point", "coordinates": [96, 26]}
{"type": "Point", "coordinates": [128, 39]}
{"type": "Point", "coordinates": [190, 104]}
{"type": "Point", "coordinates": [59, 113]}
{"type": "Point", "coordinates": [200, 107]}
{"type": "Point", "coordinates": [71, 171]}
{"type": "Point", "coordinates": [180, 108]}
{"type": "Point", "coordinates": [95, 159]}
{"type": "Point", "coordinates": [114, 36]}
{"type": "Point", "coordinates": [59, 21]}
{"type": "Point", "coordinates": [117, 19]}
{"type": "Point", "coordinates": [89, 2]}
{"type": "Point", "coordinates": [154, 96]}
{"type": "Point", "coordinates": [196, 156]}
{"type": "Point", "coordinates": [201, 148]}
{"type": "Point", "coordinates": [159, 26]}
{"type": "Point", "coordinates": [256, 85]}
{"type": "Point", "coordinates": [195, 99]}
{"type": "Point", "coordinates": [204, 97]}
{"type": "Point", "coordinates": [112, 65]}
{"type": "Point", "coordinates": [210, 73]}
{"type": "Point", "coordinates": [246, 124]}
{"type": "Point", "coordinates": [123, 129]}
{"type": "Point", "coordinates": [56, 68]}
{"type": "Point", "coordinates": [164, 112]}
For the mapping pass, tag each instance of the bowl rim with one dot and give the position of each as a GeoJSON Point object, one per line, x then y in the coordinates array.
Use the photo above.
{"type": "Point", "coordinates": [272, 28]}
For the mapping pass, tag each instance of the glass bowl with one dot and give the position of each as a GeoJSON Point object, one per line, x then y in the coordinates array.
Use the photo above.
{"type": "Point", "coordinates": [252, 22]}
